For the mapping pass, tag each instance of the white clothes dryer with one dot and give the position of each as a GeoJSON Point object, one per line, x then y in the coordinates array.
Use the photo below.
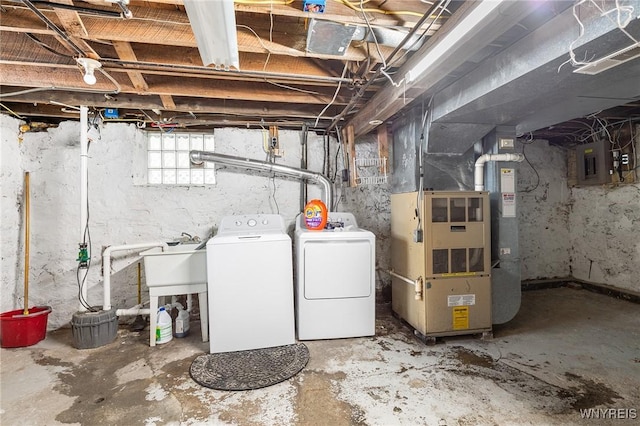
{"type": "Point", "coordinates": [335, 279]}
{"type": "Point", "coordinates": [250, 284]}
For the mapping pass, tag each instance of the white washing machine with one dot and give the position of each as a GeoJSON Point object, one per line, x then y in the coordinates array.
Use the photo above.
{"type": "Point", "coordinates": [250, 284]}
{"type": "Point", "coordinates": [335, 280]}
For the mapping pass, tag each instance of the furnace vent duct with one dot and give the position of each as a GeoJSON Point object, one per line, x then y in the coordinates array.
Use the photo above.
{"type": "Point", "coordinates": [247, 163]}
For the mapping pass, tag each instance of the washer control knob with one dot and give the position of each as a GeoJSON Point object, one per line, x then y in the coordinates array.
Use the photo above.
{"type": "Point", "coordinates": [238, 222]}
{"type": "Point", "coordinates": [265, 221]}
{"type": "Point", "coordinates": [252, 222]}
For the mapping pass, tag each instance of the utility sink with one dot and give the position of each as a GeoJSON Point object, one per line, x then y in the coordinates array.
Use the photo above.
{"type": "Point", "coordinates": [184, 263]}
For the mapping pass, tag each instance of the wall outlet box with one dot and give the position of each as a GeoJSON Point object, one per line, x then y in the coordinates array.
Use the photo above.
{"type": "Point", "coordinates": [507, 143]}
{"type": "Point", "coordinates": [111, 113]}
{"type": "Point", "coordinates": [316, 6]}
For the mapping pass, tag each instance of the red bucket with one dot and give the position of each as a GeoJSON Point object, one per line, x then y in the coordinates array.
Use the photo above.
{"type": "Point", "coordinates": [17, 329]}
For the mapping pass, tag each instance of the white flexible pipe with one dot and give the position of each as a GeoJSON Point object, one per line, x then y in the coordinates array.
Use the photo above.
{"type": "Point", "coordinates": [84, 151]}
{"type": "Point", "coordinates": [106, 266]}
{"type": "Point", "coordinates": [478, 177]}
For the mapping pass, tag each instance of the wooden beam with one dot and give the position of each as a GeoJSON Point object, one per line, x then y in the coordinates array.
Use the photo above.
{"type": "Point", "coordinates": [349, 139]}
{"type": "Point", "coordinates": [31, 103]}
{"type": "Point", "coordinates": [334, 11]}
{"type": "Point", "coordinates": [72, 24]}
{"type": "Point", "coordinates": [167, 102]}
{"type": "Point", "coordinates": [40, 75]}
{"type": "Point", "coordinates": [126, 53]}
{"type": "Point", "coordinates": [383, 148]}
{"type": "Point", "coordinates": [175, 30]}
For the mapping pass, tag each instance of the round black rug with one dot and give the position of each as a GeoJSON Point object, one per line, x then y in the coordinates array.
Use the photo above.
{"type": "Point", "coordinates": [254, 369]}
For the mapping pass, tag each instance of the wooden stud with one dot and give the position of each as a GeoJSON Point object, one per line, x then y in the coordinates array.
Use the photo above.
{"type": "Point", "coordinates": [167, 102]}
{"type": "Point", "coordinates": [383, 147]}
{"type": "Point", "coordinates": [126, 53]}
{"type": "Point", "coordinates": [349, 138]}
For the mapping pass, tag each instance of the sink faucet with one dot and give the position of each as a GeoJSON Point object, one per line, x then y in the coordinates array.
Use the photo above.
{"type": "Point", "coordinates": [186, 237]}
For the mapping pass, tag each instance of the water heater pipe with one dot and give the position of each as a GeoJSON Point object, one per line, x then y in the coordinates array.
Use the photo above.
{"type": "Point", "coordinates": [247, 163]}
{"type": "Point", "coordinates": [479, 171]}
{"type": "Point", "coordinates": [106, 266]}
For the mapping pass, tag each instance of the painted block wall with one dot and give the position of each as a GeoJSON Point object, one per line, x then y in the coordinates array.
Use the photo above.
{"type": "Point", "coordinates": [544, 209]}
{"type": "Point", "coordinates": [371, 205]}
{"type": "Point", "coordinates": [605, 232]}
{"type": "Point", "coordinates": [605, 235]}
{"type": "Point", "coordinates": [122, 209]}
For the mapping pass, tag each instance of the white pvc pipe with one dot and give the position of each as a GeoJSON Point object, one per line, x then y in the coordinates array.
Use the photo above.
{"type": "Point", "coordinates": [417, 283]}
{"type": "Point", "coordinates": [106, 265]}
{"type": "Point", "coordinates": [478, 176]}
{"type": "Point", "coordinates": [84, 150]}
{"type": "Point", "coordinates": [136, 310]}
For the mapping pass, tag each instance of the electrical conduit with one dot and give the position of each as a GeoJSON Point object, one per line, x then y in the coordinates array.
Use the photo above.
{"type": "Point", "coordinates": [479, 170]}
{"type": "Point", "coordinates": [247, 163]}
{"type": "Point", "coordinates": [84, 196]}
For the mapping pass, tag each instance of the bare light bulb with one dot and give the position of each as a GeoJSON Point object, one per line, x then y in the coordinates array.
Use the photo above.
{"type": "Point", "coordinates": [89, 77]}
{"type": "Point", "coordinates": [89, 65]}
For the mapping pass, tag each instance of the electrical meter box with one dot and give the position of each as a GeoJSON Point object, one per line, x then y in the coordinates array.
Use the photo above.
{"type": "Point", "coordinates": [442, 241]}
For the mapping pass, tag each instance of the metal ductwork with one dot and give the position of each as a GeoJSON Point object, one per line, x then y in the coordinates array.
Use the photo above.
{"type": "Point", "coordinates": [248, 163]}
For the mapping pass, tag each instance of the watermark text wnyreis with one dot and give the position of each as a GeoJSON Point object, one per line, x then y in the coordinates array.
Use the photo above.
{"type": "Point", "coordinates": [609, 413]}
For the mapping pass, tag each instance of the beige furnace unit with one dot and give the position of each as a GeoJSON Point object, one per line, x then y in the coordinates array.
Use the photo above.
{"type": "Point", "coordinates": [441, 262]}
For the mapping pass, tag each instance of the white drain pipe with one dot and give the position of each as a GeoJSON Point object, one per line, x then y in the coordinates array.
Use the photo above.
{"type": "Point", "coordinates": [479, 171]}
{"type": "Point", "coordinates": [84, 172]}
{"type": "Point", "coordinates": [247, 163]}
{"type": "Point", "coordinates": [106, 266]}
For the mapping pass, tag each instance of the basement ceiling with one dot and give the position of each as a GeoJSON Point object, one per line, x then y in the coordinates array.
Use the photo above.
{"type": "Point", "coordinates": [345, 66]}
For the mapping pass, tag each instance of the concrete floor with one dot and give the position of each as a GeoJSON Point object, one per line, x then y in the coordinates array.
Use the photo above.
{"type": "Point", "coordinates": [567, 350]}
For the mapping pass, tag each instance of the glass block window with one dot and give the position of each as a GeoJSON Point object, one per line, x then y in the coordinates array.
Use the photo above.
{"type": "Point", "coordinates": [168, 160]}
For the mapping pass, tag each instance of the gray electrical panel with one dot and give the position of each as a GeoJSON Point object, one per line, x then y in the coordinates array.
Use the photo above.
{"type": "Point", "coordinates": [593, 163]}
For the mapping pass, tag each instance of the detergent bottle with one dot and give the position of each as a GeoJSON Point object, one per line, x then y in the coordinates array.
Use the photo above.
{"type": "Point", "coordinates": [164, 329]}
{"type": "Point", "coordinates": [182, 322]}
{"type": "Point", "coordinates": [315, 215]}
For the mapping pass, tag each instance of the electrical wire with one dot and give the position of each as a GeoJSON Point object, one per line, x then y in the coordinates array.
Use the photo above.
{"type": "Point", "coordinates": [620, 25]}
{"type": "Point", "coordinates": [529, 141]}
{"type": "Point", "coordinates": [335, 173]}
{"type": "Point", "coordinates": [273, 195]}
{"type": "Point", "coordinates": [383, 68]}
{"type": "Point", "coordinates": [335, 95]}
{"type": "Point", "coordinates": [383, 12]}
{"type": "Point", "coordinates": [86, 239]}
{"type": "Point", "coordinates": [46, 46]}
{"type": "Point", "coordinates": [11, 111]}
{"type": "Point", "coordinates": [442, 6]}
{"type": "Point", "coordinates": [269, 2]}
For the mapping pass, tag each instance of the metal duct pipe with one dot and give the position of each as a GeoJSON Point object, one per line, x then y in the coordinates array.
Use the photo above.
{"type": "Point", "coordinates": [248, 163]}
{"type": "Point", "coordinates": [479, 171]}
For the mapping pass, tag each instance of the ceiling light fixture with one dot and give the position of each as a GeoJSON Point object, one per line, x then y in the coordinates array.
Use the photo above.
{"type": "Point", "coordinates": [456, 35]}
{"type": "Point", "coordinates": [89, 65]}
{"type": "Point", "coordinates": [214, 26]}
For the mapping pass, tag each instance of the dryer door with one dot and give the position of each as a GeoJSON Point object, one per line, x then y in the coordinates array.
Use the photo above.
{"type": "Point", "coordinates": [338, 269]}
